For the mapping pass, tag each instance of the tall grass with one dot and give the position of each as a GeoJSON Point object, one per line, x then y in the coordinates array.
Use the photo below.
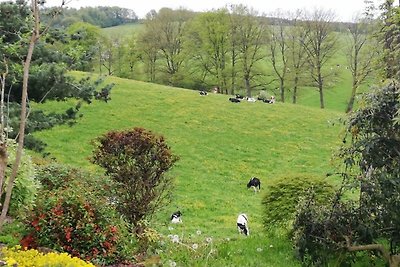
{"type": "Point", "coordinates": [221, 145]}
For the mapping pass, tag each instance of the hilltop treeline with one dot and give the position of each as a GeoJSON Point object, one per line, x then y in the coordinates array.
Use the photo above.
{"type": "Point", "coordinates": [101, 16]}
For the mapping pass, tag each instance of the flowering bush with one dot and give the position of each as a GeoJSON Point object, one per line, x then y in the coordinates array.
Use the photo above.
{"type": "Point", "coordinates": [77, 217]}
{"type": "Point", "coordinates": [27, 258]}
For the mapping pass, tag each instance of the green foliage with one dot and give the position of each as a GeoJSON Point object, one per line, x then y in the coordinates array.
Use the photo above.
{"type": "Point", "coordinates": [138, 161]}
{"type": "Point", "coordinates": [73, 214]}
{"type": "Point", "coordinates": [12, 233]}
{"type": "Point", "coordinates": [283, 195]}
{"type": "Point", "coordinates": [389, 36]}
{"type": "Point", "coordinates": [372, 176]}
{"type": "Point", "coordinates": [101, 16]}
{"type": "Point", "coordinates": [25, 185]}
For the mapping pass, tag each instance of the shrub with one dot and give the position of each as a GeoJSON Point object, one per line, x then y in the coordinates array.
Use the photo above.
{"type": "Point", "coordinates": [138, 161]}
{"type": "Point", "coordinates": [27, 258]}
{"type": "Point", "coordinates": [25, 185]}
{"type": "Point", "coordinates": [281, 197]}
{"type": "Point", "coordinates": [73, 214]}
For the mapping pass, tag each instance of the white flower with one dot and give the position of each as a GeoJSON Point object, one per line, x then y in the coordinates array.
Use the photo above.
{"type": "Point", "coordinates": [227, 239]}
{"type": "Point", "coordinates": [198, 232]}
{"type": "Point", "coordinates": [259, 249]}
{"type": "Point", "coordinates": [170, 228]}
{"type": "Point", "coordinates": [271, 246]}
{"type": "Point", "coordinates": [209, 239]}
{"type": "Point", "coordinates": [195, 246]}
{"type": "Point", "coordinates": [170, 236]}
{"type": "Point", "coordinates": [175, 239]}
{"type": "Point", "coordinates": [172, 263]}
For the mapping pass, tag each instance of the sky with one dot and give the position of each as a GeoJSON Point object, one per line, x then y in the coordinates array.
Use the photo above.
{"type": "Point", "coordinates": [345, 10]}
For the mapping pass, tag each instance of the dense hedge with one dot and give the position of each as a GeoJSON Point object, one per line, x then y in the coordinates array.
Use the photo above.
{"type": "Point", "coordinates": [283, 195]}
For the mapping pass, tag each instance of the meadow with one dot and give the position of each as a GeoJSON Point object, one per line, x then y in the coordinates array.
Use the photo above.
{"type": "Point", "coordinates": [221, 145]}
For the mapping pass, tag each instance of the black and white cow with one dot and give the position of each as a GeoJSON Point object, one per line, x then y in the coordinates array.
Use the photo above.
{"type": "Point", "coordinates": [234, 100]}
{"type": "Point", "coordinates": [203, 93]}
{"type": "Point", "coordinates": [176, 217]}
{"type": "Point", "coordinates": [242, 224]}
{"type": "Point", "coordinates": [239, 96]}
{"type": "Point", "coordinates": [255, 183]}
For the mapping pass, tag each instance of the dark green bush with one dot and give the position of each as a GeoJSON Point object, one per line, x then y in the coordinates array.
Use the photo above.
{"type": "Point", "coordinates": [74, 214]}
{"type": "Point", "coordinates": [283, 195]}
{"type": "Point", "coordinates": [138, 161]}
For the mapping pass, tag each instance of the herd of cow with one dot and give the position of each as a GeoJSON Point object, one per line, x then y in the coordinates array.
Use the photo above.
{"type": "Point", "coordinates": [242, 220]}
{"type": "Point", "coordinates": [239, 98]}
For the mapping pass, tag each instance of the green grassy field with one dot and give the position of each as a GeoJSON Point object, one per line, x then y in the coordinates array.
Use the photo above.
{"type": "Point", "coordinates": [221, 145]}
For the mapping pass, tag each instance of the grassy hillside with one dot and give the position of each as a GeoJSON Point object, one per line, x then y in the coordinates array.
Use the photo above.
{"type": "Point", "coordinates": [221, 145]}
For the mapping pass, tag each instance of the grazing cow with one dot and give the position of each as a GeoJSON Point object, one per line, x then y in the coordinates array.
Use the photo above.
{"type": "Point", "coordinates": [234, 100]}
{"type": "Point", "coordinates": [270, 101]}
{"type": "Point", "coordinates": [242, 224]}
{"type": "Point", "coordinates": [239, 96]}
{"type": "Point", "coordinates": [254, 182]}
{"type": "Point", "coordinates": [203, 93]}
{"type": "Point", "coordinates": [176, 217]}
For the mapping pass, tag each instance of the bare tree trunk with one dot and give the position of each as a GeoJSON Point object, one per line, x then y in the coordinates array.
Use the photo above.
{"type": "Point", "coordinates": [320, 88]}
{"type": "Point", "coordinates": [247, 84]}
{"type": "Point", "coordinates": [21, 132]}
{"type": "Point", "coordinates": [296, 82]}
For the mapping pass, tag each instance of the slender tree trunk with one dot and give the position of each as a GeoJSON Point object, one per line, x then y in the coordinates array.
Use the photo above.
{"type": "Point", "coordinates": [320, 88]}
{"type": "Point", "coordinates": [282, 88]}
{"type": "Point", "coordinates": [352, 98]}
{"type": "Point", "coordinates": [247, 84]}
{"type": "Point", "coordinates": [296, 82]}
{"type": "Point", "coordinates": [21, 132]}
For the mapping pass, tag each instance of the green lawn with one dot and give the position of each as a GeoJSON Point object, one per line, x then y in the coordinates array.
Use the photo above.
{"type": "Point", "coordinates": [221, 145]}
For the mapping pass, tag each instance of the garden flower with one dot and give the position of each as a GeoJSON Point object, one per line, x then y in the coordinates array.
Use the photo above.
{"type": "Point", "coordinates": [195, 246]}
{"type": "Point", "coordinates": [172, 263]}
{"type": "Point", "coordinates": [198, 232]}
{"type": "Point", "coordinates": [259, 249]}
{"type": "Point", "coordinates": [175, 239]}
{"type": "Point", "coordinates": [209, 239]}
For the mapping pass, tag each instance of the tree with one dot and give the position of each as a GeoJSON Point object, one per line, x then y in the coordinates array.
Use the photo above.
{"type": "Point", "coordinates": [297, 55]}
{"type": "Point", "coordinates": [250, 33]}
{"type": "Point", "coordinates": [209, 43]}
{"type": "Point", "coordinates": [22, 42]}
{"type": "Point", "coordinates": [360, 54]}
{"type": "Point", "coordinates": [319, 44]}
{"type": "Point", "coordinates": [138, 161]}
{"type": "Point", "coordinates": [148, 48]}
{"type": "Point", "coordinates": [389, 36]}
{"type": "Point", "coordinates": [81, 48]}
{"type": "Point", "coordinates": [35, 35]}
{"type": "Point", "coordinates": [364, 215]}
{"type": "Point", "coordinates": [279, 49]}
{"type": "Point", "coordinates": [167, 28]}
